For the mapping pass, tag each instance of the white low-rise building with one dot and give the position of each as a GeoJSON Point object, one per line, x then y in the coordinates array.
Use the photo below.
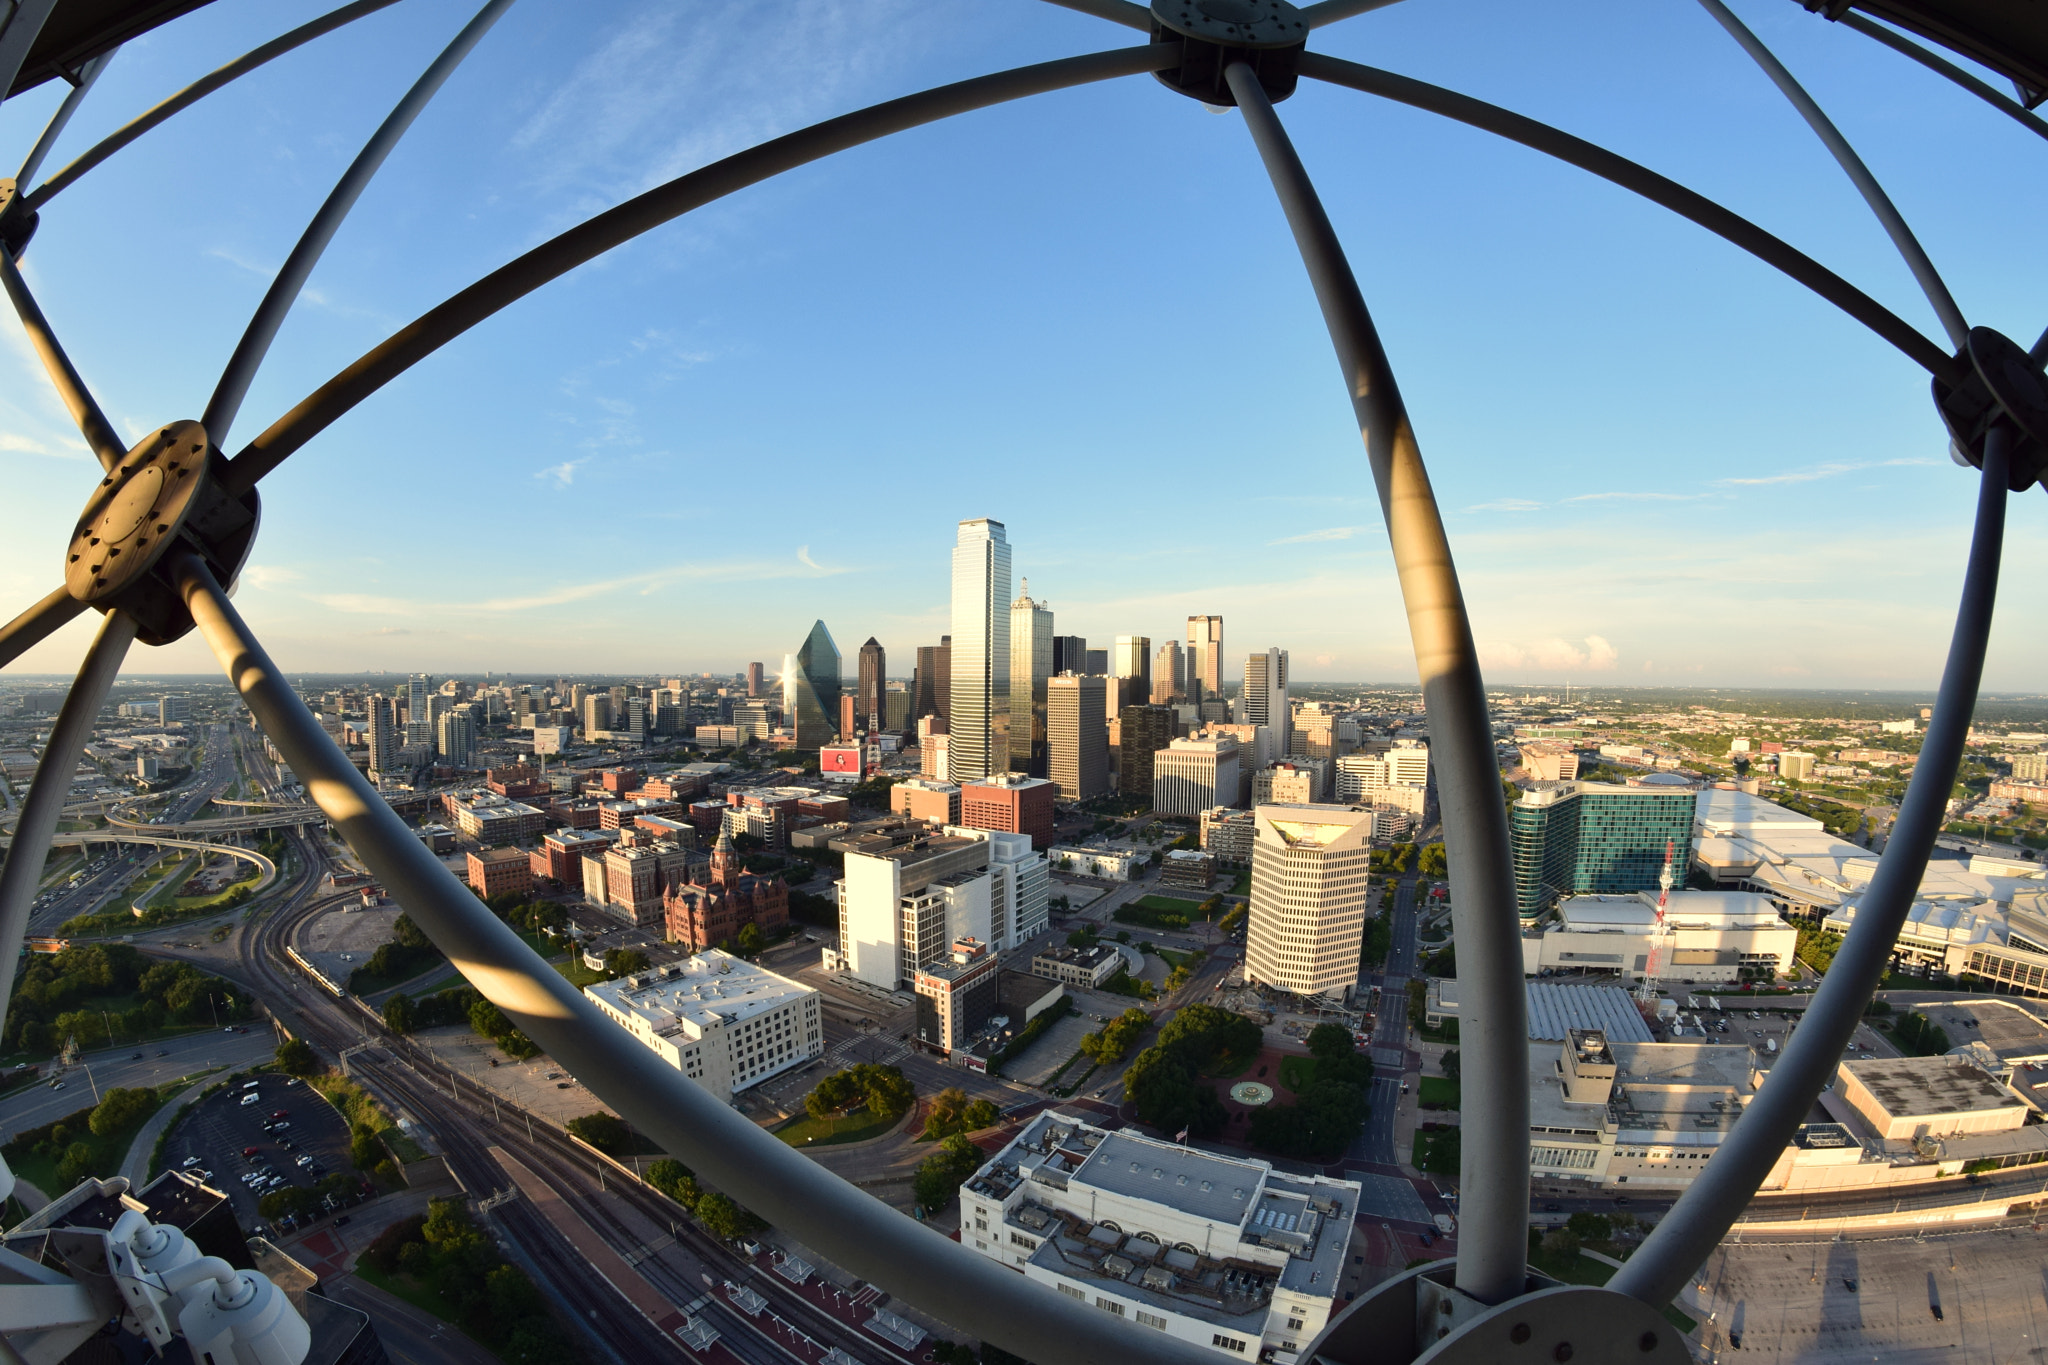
{"type": "Point", "coordinates": [1110, 864]}
{"type": "Point", "coordinates": [1223, 1253]}
{"type": "Point", "coordinates": [1708, 936]}
{"type": "Point", "coordinates": [724, 1023]}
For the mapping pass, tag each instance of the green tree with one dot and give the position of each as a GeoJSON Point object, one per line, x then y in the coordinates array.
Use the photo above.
{"type": "Point", "coordinates": [608, 1133]}
{"type": "Point", "coordinates": [720, 1216]}
{"type": "Point", "coordinates": [119, 1110]}
{"type": "Point", "coordinates": [675, 1180]}
{"type": "Point", "coordinates": [1453, 1067]}
{"type": "Point", "coordinates": [76, 1163]}
{"type": "Point", "coordinates": [624, 962]}
{"type": "Point", "coordinates": [980, 1114]}
{"type": "Point", "coordinates": [488, 1020]}
{"type": "Point", "coordinates": [939, 1175]}
{"type": "Point", "coordinates": [404, 931]}
{"type": "Point", "coordinates": [1590, 1227]}
{"type": "Point", "coordinates": [750, 940]}
{"type": "Point", "coordinates": [295, 1057]}
{"type": "Point", "coordinates": [398, 1013]}
{"type": "Point", "coordinates": [1431, 862]}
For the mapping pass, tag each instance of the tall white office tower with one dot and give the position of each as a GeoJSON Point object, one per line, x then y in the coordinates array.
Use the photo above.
{"type": "Point", "coordinates": [980, 738]}
{"type": "Point", "coordinates": [1263, 699]}
{"type": "Point", "coordinates": [1030, 666]}
{"type": "Point", "coordinates": [1205, 658]}
{"type": "Point", "coordinates": [419, 718]}
{"type": "Point", "coordinates": [1307, 920]}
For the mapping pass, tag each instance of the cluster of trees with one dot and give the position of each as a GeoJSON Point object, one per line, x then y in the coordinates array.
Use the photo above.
{"type": "Point", "coordinates": [1329, 1111]}
{"type": "Point", "coordinates": [610, 1134]}
{"type": "Point", "coordinates": [1817, 948]}
{"type": "Point", "coordinates": [1393, 859]}
{"type": "Point", "coordinates": [64, 995]}
{"type": "Point", "coordinates": [952, 1112]}
{"type": "Point", "coordinates": [367, 1124]}
{"type": "Point", "coordinates": [939, 1175]}
{"type": "Point", "coordinates": [295, 1057]}
{"type": "Point", "coordinates": [1185, 972]}
{"type": "Point", "coordinates": [408, 953]}
{"type": "Point", "coordinates": [720, 1216]}
{"type": "Point", "coordinates": [1917, 1036]}
{"type": "Point", "coordinates": [626, 961]}
{"type": "Point", "coordinates": [1083, 937]}
{"type": "Point", "coordinates": [497, 1304]}
{"type": "Point", "coordinates": [1430, 861]}
{"type": "Point", "coordinates": [883, 1089]}
{"type": "Point", "coordinates": [1166, 1081]}
{"type": "Point", "coordinates": [1110, 1042]}
{"type": "Point", "coordinates": [459, 1004]}
{"type": "Point", "coordinates": [1379, 941]}
{"type": "Point", "coordinates": [1443, 962]}
{"type": "Point", "coordinates": [297, 1201]}
{"type": "Point", "coordinates": [806, 908]}
{"type": "Point", "coordinates": [118, 1111]}
{"type": "Point", "coordinates": [1234, 917]}
{"type": "Point", "coordinates": [1123, 983]}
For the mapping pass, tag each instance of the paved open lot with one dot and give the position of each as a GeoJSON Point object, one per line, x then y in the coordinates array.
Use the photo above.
{"type": "Point", "coordinates": [222, 1127]}
{"type": "Point", "coordinates": [339, 940]}
{"type": "Point", "coordinates": [1794, 1301]}
{"type": "Point", "coordinates": [1387, 1196]}
{"type": "Point", "coordinates": [540, 1086]}
{"type": "Point", "coordinates": [2012, 1032]}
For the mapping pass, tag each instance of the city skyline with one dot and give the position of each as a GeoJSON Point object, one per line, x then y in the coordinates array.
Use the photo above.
{"type": "Point", "coordinates": [1603, 543]}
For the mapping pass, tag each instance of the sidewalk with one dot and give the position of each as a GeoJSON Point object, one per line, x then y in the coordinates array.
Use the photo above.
{"type": "Point", "coordinates": [136, 1165]}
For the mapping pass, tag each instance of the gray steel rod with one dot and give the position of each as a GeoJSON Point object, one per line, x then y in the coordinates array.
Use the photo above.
{"type": "Point", "coordinates": [54, 129]}
{"type": "Point", "coordinates": [198, 90]}
{"type": "Point", "coordinates": [37, 624]}
{"type": "Point", "coordinates": [1494, 1177]}
{"type": "Point", "coordinates": [107, 447]}
{"type": "Point", "coordinates": [586, 241]}
{"type": "Point", "coordinates": [1704, 1213]}
{"type": "Point", "coordinates": [18, 35]}
{"type": "Point", "coordinates": [1637, 179]}
{"type": "Point", "coordinates": [1116, 11]}
{"type": "Point", "coordinates": [2039, 352]}
{"type": "Point", "coordinates": [969, 1292]}
{"type": "Point", "coordinates": [1330, 11]}
{"type": "Point", "coordinates": [50, 788]}
{"type": "Point", "coordinates": [1899, 43]}
{"type": "Point", "coordinates": [291, 276]}
{"type": "Point", "coordinates": [1888, 215]}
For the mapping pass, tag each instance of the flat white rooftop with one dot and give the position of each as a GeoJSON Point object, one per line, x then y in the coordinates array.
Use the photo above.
{"type": "Point", "coordinates": [710, 990]}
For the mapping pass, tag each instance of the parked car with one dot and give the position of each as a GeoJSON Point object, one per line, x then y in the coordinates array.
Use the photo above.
{"type": "Point", "coordinates": [251, 1151]}
{"type": "Point", "coordinates": [281, 1114]}
{"type": "Point", "coordinates": [189, 1162]}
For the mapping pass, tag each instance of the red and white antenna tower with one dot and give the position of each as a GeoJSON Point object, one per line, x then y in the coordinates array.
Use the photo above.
{"type": "Point", "coordinates": [1661, 932]}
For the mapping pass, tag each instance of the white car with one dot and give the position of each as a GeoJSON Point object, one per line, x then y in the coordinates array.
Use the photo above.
{"type": "Point", "coordinates": [248, 1100]}
{"type": "Point", "coordinates": [189, 1162]}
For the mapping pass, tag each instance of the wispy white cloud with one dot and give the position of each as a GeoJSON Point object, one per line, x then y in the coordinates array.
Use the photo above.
{"type": "Point", "coordinates": [269, 575]}
{"type": "Point", "coordinates": [564, 473]}
{"type": "Point", "coordinates": [1329, 533]}
{"type": "Point", "coordinates": [1825, 471]}
{"type": "Point", "coordinates": [1636, 497]}
{"type": "Point", "coordinates": [1506, 505]}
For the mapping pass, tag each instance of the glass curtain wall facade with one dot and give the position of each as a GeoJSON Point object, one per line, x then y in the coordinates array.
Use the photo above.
{"type": "Point", "coordinates": [869, 707]}
{"type": "Point", "coordinates": [1205, 658]}
{"type": "Point", "coordinates": [980, 721]}
{"type": "Point", "coordinates": [810, 689]}
{"type": "Point", "coordinates": [1134, 669]}
{"type": "Point", "coordinates": [1596, 838]}
{"type": "Point", "coordinates": [934, 684]}
{"type": "Point", "coordinates": [1077, 736]}
{"type": "Point", "coordinates": [1030, 666]}
{"type": "Point", "coordinates": [1263, 699]}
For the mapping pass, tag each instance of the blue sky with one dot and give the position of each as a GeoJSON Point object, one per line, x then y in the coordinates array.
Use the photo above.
{"type": "Point", "coordinates": [1080, 314]}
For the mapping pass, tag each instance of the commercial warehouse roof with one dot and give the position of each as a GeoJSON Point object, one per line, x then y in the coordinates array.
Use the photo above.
{"type": "Point", "coordinates": [1555, 1009]}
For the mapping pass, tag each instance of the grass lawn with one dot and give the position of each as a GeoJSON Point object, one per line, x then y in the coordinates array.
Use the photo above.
{"type": "Point", "coordinates": [571, 966]}
{"type": "Point", "coordinates": [1171, 957]}
{"type": "Point", "coordinates": [1437, 1153]}
{"type": "Point", "coordinates": [217, 897]}
{"type": "Point", "coordinates": [1243, 885]}
{"type": "Point", "coordinates": [1577, 1269]}
{"type": "Point", "coordinates": [1439, 1092]}
{"type": "Point", "coordinates": [108, 1152]}
{"type": "Point", "coordinates": [1297, 1073]}
{"type": "Point", "coordinates": [1151, 911]}
{"type": "Point", "coordinates": [418, 1295]}
{"type": "Point", "coordinates": [1447, 1034]}
{"type": "Point", "coordinates": [805, 1131]}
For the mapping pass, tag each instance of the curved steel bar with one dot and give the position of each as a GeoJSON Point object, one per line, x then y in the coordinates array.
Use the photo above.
{"type": "Point", "coordinates": [1116, 11]}
{"type": "Point", "coordinates": [2039, 352]}
{"type": "Point", "coordinates": [1619, 170]}
{"type": "Point", "coordinates": [514, 281]}
{"type": "Point", "coordinates": [50, 788]}
{"type": "Point", "coordinates": [198, 90]}
{"type": "Point", "coordinates": [1704, 1213]}
{"type": "Point", "coordinates": [54, 129]}
{"type": "Point", "coordinates": [1494, 1200]}
{"type": "Point", "coordinates": [1330, 11]}
{"type": "Point", "coordinates": [291, 276]}
{"type": "Point", "coordinates": [37, 624]}
{"type": "Point", "coordinates": [970, 1292]}
{"type": "Point", "coordinates": [107, 447]}
{"type": "Point", "coordinates": [1899, 43]}
{"type": "Point", "coordinates": [1880, 203]}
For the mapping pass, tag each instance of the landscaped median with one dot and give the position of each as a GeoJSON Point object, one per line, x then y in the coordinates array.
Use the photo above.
{"type": "Point", "coordinates": [91, 1142]}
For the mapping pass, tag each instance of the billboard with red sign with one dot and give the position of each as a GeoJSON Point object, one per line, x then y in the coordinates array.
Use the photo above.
{"type": "Point", "coordinates": [842, 760]}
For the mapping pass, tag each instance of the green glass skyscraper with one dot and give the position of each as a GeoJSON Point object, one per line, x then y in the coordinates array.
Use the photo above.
{"type": "Point", "coordinates": [810, 689]}
{"type": "Point", "coordinates": [1579, 838]}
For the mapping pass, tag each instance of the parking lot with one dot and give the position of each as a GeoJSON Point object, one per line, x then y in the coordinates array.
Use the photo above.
{"type": "Point", "coordinates": [222, 1127]}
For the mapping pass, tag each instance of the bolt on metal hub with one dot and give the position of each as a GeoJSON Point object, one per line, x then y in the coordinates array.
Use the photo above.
{"type": "Point", "coordinates": [135, 513]}
{"type": "Point", "coordinates": [1266, 35]}
{"type": "Point", "coordinates": [2003, 385]}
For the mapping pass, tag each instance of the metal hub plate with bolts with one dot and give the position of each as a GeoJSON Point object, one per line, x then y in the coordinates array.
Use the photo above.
{"type": "Point", "coordinates": [1266, 35]}
{"type": "Point", "coordinates": [135, 513]}
{"type": "Point", "coordinates": [1235, 23]}
{"type": "Point", "coordinates": [1419, 1318]}
{"type": "Point", "coordinates": [2003, 383]}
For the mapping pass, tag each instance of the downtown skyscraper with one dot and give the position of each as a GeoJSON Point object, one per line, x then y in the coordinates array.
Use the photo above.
{"type": "Point", "coordinates": [1030, 665]}
{"type": "Point", "coordinates": [932, 688]}
{"type": "Point", "coordinates": [810, 689]}
{"type": "Point", "coordinates": [1263, 699]}
{"type": "Point", "coordinates": [869, 708]}
{"type": "Point", "coordinates": [980, 721]}
{"type": "Point", "coordinates": [1205, 658]}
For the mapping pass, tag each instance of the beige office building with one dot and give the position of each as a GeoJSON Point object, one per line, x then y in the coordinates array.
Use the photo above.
{"type": "Point", "coordinates": [1308, 905]}
{"type": "Point", "coordinates": [1190, 776]}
